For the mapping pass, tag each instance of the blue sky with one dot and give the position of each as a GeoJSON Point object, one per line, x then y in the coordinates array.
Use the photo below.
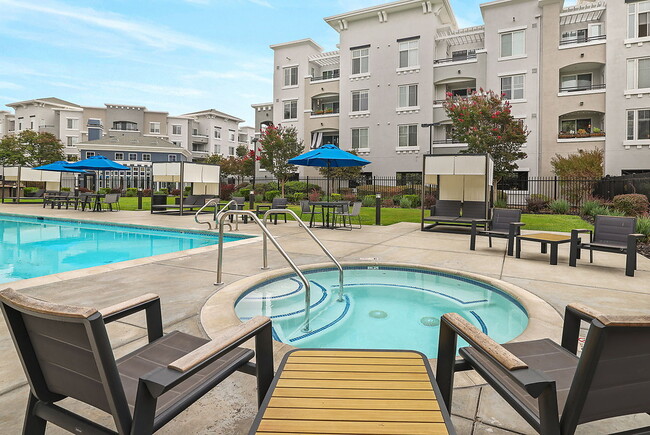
{"type": "Point", "coordinates": [170, 55]}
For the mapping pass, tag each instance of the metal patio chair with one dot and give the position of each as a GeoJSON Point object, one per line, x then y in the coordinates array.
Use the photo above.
{"type": "Point", "coordinates": [611, 234]}
{"type": "Point", "coordinates": [504, 225]}
{"type": "Point", "coordinates": [354, 213]}
{"type": "Point", "coordinates": [65, 352]}
{"type": "Point", "coordinates": [110, 200]}
{"type": "Point", "coordinates": [551, 387]}
{"type": "Point", "coordinates": [306, 209]}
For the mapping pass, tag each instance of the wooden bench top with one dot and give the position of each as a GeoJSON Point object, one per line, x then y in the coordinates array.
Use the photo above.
{"type": "Point", "coordinates": [353, 392]}
{"type": "Point", "coordinates": [545, 237]}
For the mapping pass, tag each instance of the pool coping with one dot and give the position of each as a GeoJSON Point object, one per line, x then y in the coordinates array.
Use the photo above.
{"type": "Point", "coordinates": [219, 310]}
{"type": "Point", "coordinates": [95, 270]}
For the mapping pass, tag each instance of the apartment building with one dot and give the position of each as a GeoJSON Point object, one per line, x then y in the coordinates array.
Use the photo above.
{"type": "Point", "coordinates": [201, 133]}
{"type": "Point", "coordinates": [397, 62]}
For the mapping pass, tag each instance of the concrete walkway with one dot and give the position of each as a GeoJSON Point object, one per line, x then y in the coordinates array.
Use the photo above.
{"type": "Point", "coordinates": [185, 282]}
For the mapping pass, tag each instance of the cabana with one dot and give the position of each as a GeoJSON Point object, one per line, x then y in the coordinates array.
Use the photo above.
{"type": "Point", "coordinates": [464, 188]}
{"type": "Point", "coordinates": [203, 178]}
{"type": "Point", "coordinates": [22, 174]}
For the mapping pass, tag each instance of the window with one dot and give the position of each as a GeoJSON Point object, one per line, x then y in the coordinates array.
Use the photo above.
{"type": "Point", "coordinates": [217, 132]}
{"type": "Point", "coordinates": [146, 157]}
{"type": "Point", "coordinates": [171, 158]}
{"type": "Point", "coordinates": [408, 96]}
{"type": "Point", "coordinates": [638, 19]}
{"type": "Point", "coordinates": [125, 126]}
{"type": "Point", "coordinates": [513, 43]}
{"type": "Point", "coordinates": [119, 156]}
{"type": "Point", "coordinates": [331, 74]}
{"type": "Point", "coordinates": [576, 82]}
{"type": "Point", "coordinates": [408, 53]}
{"type": "Point", "coordinates": [72, 141]}
{"type": "Point", "coordinates": [360, 60]}
{"type": "Point", "coordinates": [638, 73]}
{"type": "Point", "coordinates": [154, 127]}
{"type": "Point", "coordinates": [291, 76]}
{"type": "Point", "coordinates": [574, 36]}
{"type": "Point", "coordinates": [359, 101]}
{"type": "Point", "coordinates": [359, 138]}
{"type": "Point", "coordinates": [231, 151]}
{"type": "Point", "coordinates": [638, 124]}
{"type": "Point", "coordinates": [573, 126]}
{"type": "Point", "coordinates": [31, 122]}
{"type": "Point", "coordinates": [231, 135]}
{"type": "Point", "coordinates": [463, 55]}
{"type": "Point", "coordinates": [73, 124]}
{"type": "Point", "coordinates": [94, 133]}
{"type": "Point", "coordinates": [90, 154]}
{"type": "Point", "coordinates": [404, 178]}
{"type": "Point", "coordinates": [177, 129]}
{"type": "Point", "coordinates": [408, 135]}
{"type": "Point", "coordinates": [291, 109]}
{"type": "Point", "coordinates": [133, 156]}
{"type": "Point", "coordinates": [20, 123]}
{"type": "Point", "coordinates": [217, 149]}
{"type": "Point", "coordinates": [512, 87]}
{"type": "Point", "coordinates": [94, 122]}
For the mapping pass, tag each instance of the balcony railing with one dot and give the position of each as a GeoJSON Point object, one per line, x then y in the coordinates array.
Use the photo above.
{"type": "Point", "coordinates": [334, 75]}
{"type": "Point", "coordinates": [565, 135]}
{"type": "Point", "coordinates": [318, 112]}
{"type": "Point", "coordinates": [447, 141]}
{"type": "Point", "coordinates": [455, 59]}
{"type": "Point", "coordinates": [582, 39]}
{"type": "Point", "coordinates": [582, 87]}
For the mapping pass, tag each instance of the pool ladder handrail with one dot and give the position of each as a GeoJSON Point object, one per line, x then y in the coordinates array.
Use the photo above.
{"type": "Point", "coordinates": [302, 224]}
{"type": "Point", "coordinates": [222, 216]}
{"type": "Point", "coordinates": [216, 214]}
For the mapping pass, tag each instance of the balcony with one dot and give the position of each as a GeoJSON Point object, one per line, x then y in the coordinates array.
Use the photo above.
{"type": "Point", "coordinates": [581, 135]}
{"type": "Point", "coordinates": [333, 75]}
{"type": "Point", "coordinates": [325, 105]}
{"type": "Point", "coordinates": [581, 39]}
{"type": "Point", "coordinates": [199, 139]}
{"type": "Point", "coordinates": [583, 87]}
{"type": "Point", "coordinates": [461, 58]}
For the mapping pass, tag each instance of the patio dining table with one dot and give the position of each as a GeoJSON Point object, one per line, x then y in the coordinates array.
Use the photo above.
{"type": "Point", "coordinates": [327, 208]}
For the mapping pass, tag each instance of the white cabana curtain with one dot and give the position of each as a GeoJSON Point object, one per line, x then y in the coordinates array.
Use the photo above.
{"type": "Point", "coordinates": [316, 140]}
{"type": "Point", "coordinates": [205, 179]}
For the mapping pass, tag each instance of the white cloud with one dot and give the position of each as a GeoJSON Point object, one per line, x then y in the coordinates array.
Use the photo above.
{"type": "Point", "coordinates": [152, 36]}
{"type": "Point", "coordinates": [9, 85]}
{"type": "Point", "coordinates": [173, 91]}
{"type": "Point", "coordinates": [230, 75]}
{"type": "Point", "coordinates": [264, 3]}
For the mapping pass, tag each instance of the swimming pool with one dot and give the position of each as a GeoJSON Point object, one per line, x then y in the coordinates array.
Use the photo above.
{"type": "Point", "coordinates": [36, 246]}
{"type": "Point", "coordinates": [383, 307]}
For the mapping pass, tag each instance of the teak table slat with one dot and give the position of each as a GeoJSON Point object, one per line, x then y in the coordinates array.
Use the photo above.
{"type": "Point", "coordinates": [353, 392]}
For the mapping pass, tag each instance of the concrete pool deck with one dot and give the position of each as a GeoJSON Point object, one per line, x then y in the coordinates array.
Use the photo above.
{"type": "Point", "coordinates": [184, 282]}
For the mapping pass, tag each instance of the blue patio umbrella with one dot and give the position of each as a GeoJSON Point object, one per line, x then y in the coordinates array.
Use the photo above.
{"type": "Point", "coordinates": [98, 163]}
{"type": "Point", "coordinates": [328, 156]}
{"type": "Point", "coordinates": [60, 166]}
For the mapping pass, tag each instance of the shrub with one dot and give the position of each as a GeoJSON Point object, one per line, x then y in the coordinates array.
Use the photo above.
{"type": "Point", "coordinates": [643, 227]}
{"type": "Point", "coordinates": [245, 192]}
{"type": "Point", "coordinates": [299, 186]}
{"type": "Point", "coordinates": [299, 196]}
{"type": "Point", "coordinates": [242, 185]}
{"type": "Point", "coordinates": [631, 204]}
{"type": "Point", "coordinates": [164, 191]}
{"type": "Point", "coordinates": [145, 192]}
{"type": "Point", "coordinates": [429, 201]}
{"type": "Point", "coordinates": [259, 198]}
{"type": "Point", "coordinates": [350, 197]}
{"type": "Point", "coordinates": [405, 202]}
{"type": "Point", "coordinates": [226, 191]}
{"type": "Point", "coordinates": [589, 206]}
{"type": "Point", "coordinates": [86, 190]}
{"type": "Point", "coordinates": [104, 190]}
{"type": "Point", "coordinates": [560, 206]}
{"type": "Point", "coordinates": [537, 202]}
{"type": "Point", "coordinates": [415, 200]}
{"type": "Point", "coordinates": [270, 194]}
{"type": "Point", "coordinates": [176, 192]}
{"type": "Point", "coordinates": [502, 196]}
{"type": "Point", "coordinates": [157, 192]}
{"type": "Point", "coordinates": [396, 199]}
{"type": "Point", "coordinates": [188, 190]}
{"type": "Point", "coordinates": [65, 189]}
{"type": "Point", "coordinates": [368, 201]}
{"type": "Point", "coordinates": [501, 203]}
{"type": "Point", "coordinates": [388, 202]}
{"type": "Point", "coordinates": [116, 190]}
{"type": "Point", "coordinates": [386, 191]}
{"type": "Point", "coordinates": [600, 210]}
{"type": "Point", "coordinates": [131, 192]}
{"type": "Point", "coordinates": [29, 191]}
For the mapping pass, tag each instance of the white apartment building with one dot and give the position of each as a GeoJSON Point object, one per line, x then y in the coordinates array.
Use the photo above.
{"type": "Point", "coordinates": [397, 61]}
{"type": "Point", "coordinates": [201, 133]}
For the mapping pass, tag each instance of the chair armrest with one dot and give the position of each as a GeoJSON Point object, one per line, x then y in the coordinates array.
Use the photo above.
{"type": "Point", "coordinates": [517, 224]}
{"type": "Point", "coordinates": [635, 236]}
{"type": "Point", "coordinates": [574, 314]}
{"type": "Point", "coordinates": [163, 379]}
{"type": "Point", "coordinates": [481, 341]}
{"type": "Point", "coordinates": [262, 207]}
{"type": "Point", "coordinates": [149, 302]}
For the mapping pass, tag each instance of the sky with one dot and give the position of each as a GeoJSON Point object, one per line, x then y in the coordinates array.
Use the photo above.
{"type": "Point", "coordinates": [177, 56]}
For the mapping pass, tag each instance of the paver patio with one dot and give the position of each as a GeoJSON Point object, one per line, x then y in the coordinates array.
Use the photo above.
{"type": "Point", "coordinates": [185, 283]}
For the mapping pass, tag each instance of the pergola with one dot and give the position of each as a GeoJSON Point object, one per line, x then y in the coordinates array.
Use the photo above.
{"type": "Point", "coordinates": [204, 178]}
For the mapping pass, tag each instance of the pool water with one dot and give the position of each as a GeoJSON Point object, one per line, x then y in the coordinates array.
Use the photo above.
{"type": "Point", "coordinates": [383, 307]}
{"type": "Point", "coordinates": [33, 246]}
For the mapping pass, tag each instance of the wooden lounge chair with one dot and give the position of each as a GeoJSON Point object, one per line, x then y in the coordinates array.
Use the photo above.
{"type": "Point", "coordinates": [552, 388]}
{"type": "Point", "coordinates": [611, 234]}
{"type": "Point", "coordinates": [504, 225]}
{"type": "Point", "coordinates": [65, 352]}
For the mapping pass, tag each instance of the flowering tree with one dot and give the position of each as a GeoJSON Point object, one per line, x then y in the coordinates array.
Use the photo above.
{"type": "Point", "coordinates": [278, 145]}
{"type": "Point", "coordinates": [484, 121]}
{"type": "Point", "coordinates": [240, 165]}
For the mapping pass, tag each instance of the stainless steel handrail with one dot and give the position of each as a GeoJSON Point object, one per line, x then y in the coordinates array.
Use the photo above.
{"type": "Point", "coordinates": [301, 223]}
{"type": "Point", "coordinates": [226, 207]}
{"type": "Point", "coordinates": [196, 215]}
{"type": "Point", "coordinates": [266, 232]}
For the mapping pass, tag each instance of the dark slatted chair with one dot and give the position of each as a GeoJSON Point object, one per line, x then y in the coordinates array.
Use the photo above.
{"type": "Point", "coordinates": [65, 352]}
{"type": "Point", "coordinates": [504, 225]}
{"type": "Point", "coordinates": [611, 234]}
{"type": "Point", "coordinates": [277, 203]}
{"type": "Point", "coordinates": [547, 383]}
{"type": "Point", "coordinates": [444, 210]}
{"type": "Point", "coordinates": [474, 210]}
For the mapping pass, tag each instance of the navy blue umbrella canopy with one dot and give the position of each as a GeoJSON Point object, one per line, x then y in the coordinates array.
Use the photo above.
{"type": "Point", "coordinates": [328, 156]}
{"type": "Point", "coordinates": [60, 166]}
{"type": "Point", "coordinates": [98, 163]}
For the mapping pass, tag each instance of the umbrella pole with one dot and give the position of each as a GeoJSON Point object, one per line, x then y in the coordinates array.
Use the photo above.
{"type": "Point", "coordinates": [328, 180]}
